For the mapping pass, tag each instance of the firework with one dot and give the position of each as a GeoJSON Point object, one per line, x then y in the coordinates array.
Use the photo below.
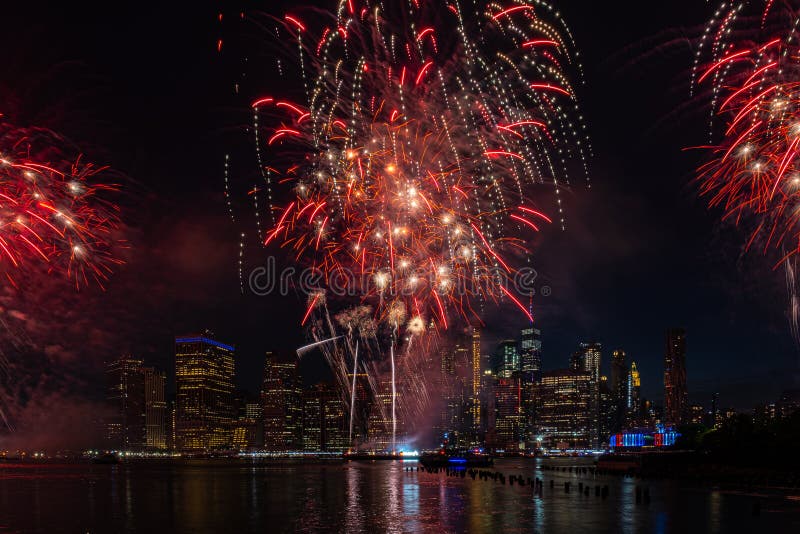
{"type": "Point", "coordinates": [749, 56]}
{"type": "Point", "coordinates": [414, 161]}
{"type": "Point", "coordinates": [433, 143]}
{"type": "Point", "coordinates": [54, 210]}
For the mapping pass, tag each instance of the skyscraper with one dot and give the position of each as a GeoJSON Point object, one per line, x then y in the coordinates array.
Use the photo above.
{"type": "Point", "coordinates": [676, 398]}
{"type": "Point", "coordinates": [204, 389]}
{"type": "Point", "coordinates": [618, 390]}
{"type": "Point", "coordinates": [633, 403]}
{"type": "Point", "coordinates": [475, 390]}
{"type": "Point", "coordinates": [155, 407]}
{"type": "Point", "coordinates": [380, 424]}
{"type": "Point", "coordinates": [324, 422]}
{"type": "Point", "coordinates": [564, 417]}
{"type": "Point", "coordinates": [587, 358]}
{"type": "Point", "coordinates": [618, 372]}
{"type": "Point", "coordinates": [507, 359]}
{"type": "Point", "coordinates": [455, 388]}
{"type": "Point", "coordinates": [531, 354]}
{"type": "Point", "coordinates": [510, 421]}
{"type": "Point", "coordinates": [125, 393]}
{"type": "Point", "coordinates": [281, 402]}
{"type": "Point", "coordinates": [311, 416]}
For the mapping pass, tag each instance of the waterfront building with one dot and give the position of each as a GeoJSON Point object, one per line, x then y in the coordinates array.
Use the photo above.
{"type": "Point", "coordinates": [335, 423]}
{"type": "Point", "coordinates": [475, 383]}
{"type": "Point", "coordinates": [204, 411]}
{"type": "Point", "coordinates": [455, 389]}
{"type": "Point", "coordinates": [606, 411]}
{"type": "Point", "coordinates": [509, 420]}
{"type": "Point", "coordinates": [281, 404]}
{"type": "Point", "coordinates": [380, 426]}
{"type": "Point", "coordinates": [155, 407]}
{"type": "Point", "coordinates": [676, 398]}
{"type": "Point", "coordinates": [564, 418]}
{"type": "Point", "coordinates": [125, 426]}
{"type": "Point", "coordinates": [311, 416]}
{"type": "Point", "coordinates": [248, 432]}
{"type": "Point", "coordinates": [587, 359]}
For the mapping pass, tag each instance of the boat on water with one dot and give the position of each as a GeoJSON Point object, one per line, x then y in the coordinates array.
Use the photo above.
{"type": "Point", "coordinates": [456, 459]}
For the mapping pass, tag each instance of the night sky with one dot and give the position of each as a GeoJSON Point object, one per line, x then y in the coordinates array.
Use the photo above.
{"type": "Point", "coordinates": [142, 87]}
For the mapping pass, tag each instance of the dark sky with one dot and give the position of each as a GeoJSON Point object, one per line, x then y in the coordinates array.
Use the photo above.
{"type": "Point", "coordinates": [140, 85]}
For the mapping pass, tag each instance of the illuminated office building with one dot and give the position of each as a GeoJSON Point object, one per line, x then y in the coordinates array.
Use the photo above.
{"type": "Point", "coordinates": [204, 411]}
{"type": "Point", "coordinates": [475, 390]}
{"type": "Point", "coordinates": [531, 354]}
{"type": "Point", "coordinates": [281, 403]}
{"type": "Point", "coordinates": [509, 419]}
{"type": "Point", "coordinates": [587, 359]}
{"type": "Point", "coordinates": [633, 403]}
{"type": "Point", "coordinates": [125, 393]}
{"type": "Point", "coordinates": [676, 399]}
{"type": "Point", "coordinates": [564, 419]}
{"type": "Point", "coordinates": [618, 387]}
{"type": "Point", "coordinates": [325, 425]}
{"type": "Point", "coordinates": [454, 389]}
{"type": "Point", "coordinates": [248, 432]}
{"type": "Point", "coordinates": [155, 407]}
{"type": "Point", "coordinates": [507, 359]}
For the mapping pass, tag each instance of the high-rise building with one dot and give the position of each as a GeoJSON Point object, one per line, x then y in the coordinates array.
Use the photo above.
{"type": "Point", "coordinates": [564, 418]}
{"type": "Point", "coordinates": [507, 359]}
{"type": "Point", "coordinates": [713, 414]}
{"type": "Point", "coordinates": [380, 427]}
{"type": "Point", "coordinates": [454, 390]}
{"type": "Point", "coordinates": [607, 412]}
{"type": "Point", "coordinates": [633, 405]}
{"type": "Point", "coordinates": [311, 417]}
{"type": "Point", "coordinates": [360, 409]}
{"type": "Point", "coordinates": [509, 423]}
{"type": "Point", "coordinates": [204, 411]}
{"type": "Point", "coordinates": [619, 391]}
{"type": "Point", "coordinates": [324, 421]}
{"type": "Point", "coordinates": [475, 390]}
{"type": "Point", "coordinates": [155, 407]}
{"type": "Point", "coordinates": [335, 423]}
{"type": "Point", "coordinates": [281, 402]}
{"type": "Point", "coordinates": [125, 393]}
{"type": "Point", "coordinates": [619, 372]}
{"type": "Point", "coordinates": [676, 399]}
{"type": "Point", "coordinates": [587, 359]}
{"type": "Point", "coordinates": [171, 432]}
{"type": "Point", "coordinates": [531, 354]}
{"type": "Point", "coordinates": [248, 433]}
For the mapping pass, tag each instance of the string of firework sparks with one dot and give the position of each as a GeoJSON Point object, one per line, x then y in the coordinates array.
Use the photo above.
{"type": "Point", "coordinates": [413, 168]}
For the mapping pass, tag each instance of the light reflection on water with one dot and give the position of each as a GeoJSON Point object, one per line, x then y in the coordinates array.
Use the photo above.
{"type": "Point", "coordinates": [225, 496]}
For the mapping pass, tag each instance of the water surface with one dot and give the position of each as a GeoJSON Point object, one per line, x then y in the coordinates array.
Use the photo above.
{"type": "Point", "coordinates": [233, 496]}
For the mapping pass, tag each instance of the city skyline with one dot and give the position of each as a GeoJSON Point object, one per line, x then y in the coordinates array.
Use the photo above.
{"type": "Point", "coordinates": [577, 406]}
{"type": "Point", "coordinates": [622, 242]}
